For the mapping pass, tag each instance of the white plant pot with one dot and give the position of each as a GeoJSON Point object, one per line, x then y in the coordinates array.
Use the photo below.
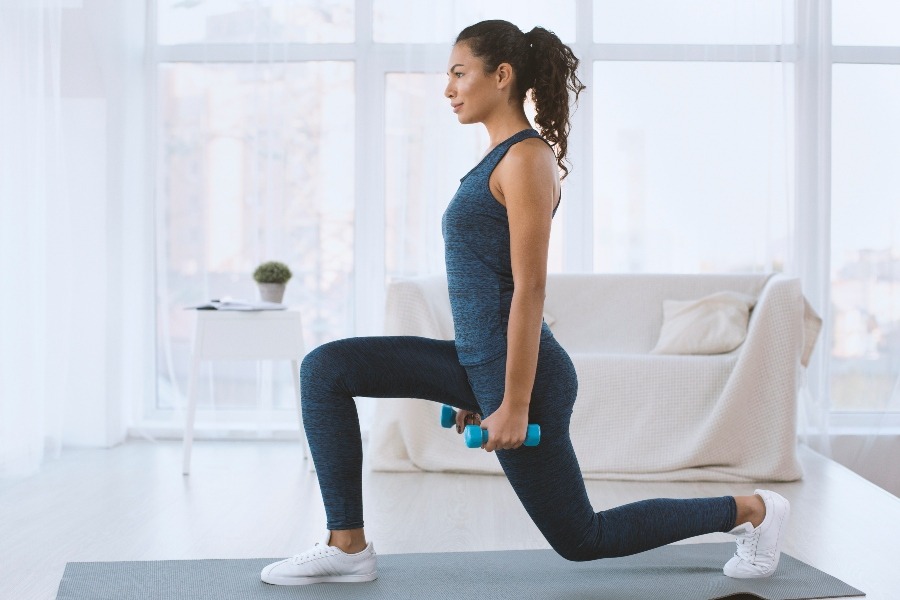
{"type": "Point", "coordinates": [271, 292]}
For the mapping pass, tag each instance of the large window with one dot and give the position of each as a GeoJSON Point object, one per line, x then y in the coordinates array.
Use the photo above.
{"type": "Point", "coordinates": [865, 207]}
{"type": "Point", "coordinates": [316, 132]}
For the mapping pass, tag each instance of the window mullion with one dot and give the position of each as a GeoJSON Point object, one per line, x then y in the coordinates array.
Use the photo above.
{"type": "Point", "coordinates": [578, 251]}
{"type": "Point", "coordinates": [369, 219]}
{"type": "Point", "coordinates": [812, 217]}
{"type": "Point", "coordinates": [237, 53]}
{"type": "Point", "coordinates": [866, 55]}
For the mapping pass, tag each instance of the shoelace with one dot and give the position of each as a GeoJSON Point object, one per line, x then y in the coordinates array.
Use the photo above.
{"type": "Point", "coordinates": [749, 551]}
{"type": "Point", "coordinates": [746, 547]}
{"type": "Point", "coordinates": [314, 552]}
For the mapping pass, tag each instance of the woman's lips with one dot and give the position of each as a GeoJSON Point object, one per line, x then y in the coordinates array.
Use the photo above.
{"type": "Point", "coordinates": [457, 107]}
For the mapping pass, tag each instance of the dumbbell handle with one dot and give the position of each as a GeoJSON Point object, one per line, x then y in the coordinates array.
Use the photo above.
{"type": "Point", "coordinates": [476, 436]}
{"type": "Point", "coordinates": [448, 416]}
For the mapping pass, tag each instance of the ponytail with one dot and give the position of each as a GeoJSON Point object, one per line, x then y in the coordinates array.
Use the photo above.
{"type": "Point", "coordinates": [543, 65]}
{"type": "Point", "coordinates": [552, 67]}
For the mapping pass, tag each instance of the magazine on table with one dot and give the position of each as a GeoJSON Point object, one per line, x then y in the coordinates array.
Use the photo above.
{"type": "Point", "coordinates": [228, 303]}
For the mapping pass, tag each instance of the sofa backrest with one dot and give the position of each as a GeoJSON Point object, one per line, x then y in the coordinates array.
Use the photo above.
{"type": "Point", "coordinates": [623, 313]}
{"type": "Point", "coordinates": [591, 312]}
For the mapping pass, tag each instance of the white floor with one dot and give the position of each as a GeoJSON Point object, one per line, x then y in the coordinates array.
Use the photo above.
{"type": "Point", "coordinates": [256, 499]}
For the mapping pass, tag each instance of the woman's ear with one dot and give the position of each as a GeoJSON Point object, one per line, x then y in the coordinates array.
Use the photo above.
{"type": "Point", "coordinates": [503, 75]}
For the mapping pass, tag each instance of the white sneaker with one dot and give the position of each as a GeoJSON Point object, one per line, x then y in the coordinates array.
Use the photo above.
{"type": "Point", "coordinates": [758, 550]}
{"type": "Point", "coordinates": [323, 564]}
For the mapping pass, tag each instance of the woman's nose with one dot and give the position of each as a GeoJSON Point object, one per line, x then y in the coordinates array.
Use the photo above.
{"type": "Point", "coordinates": [448, 91]}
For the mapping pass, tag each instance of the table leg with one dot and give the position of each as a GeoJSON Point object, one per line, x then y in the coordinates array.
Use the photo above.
{"type": "Point", "coordinates": [191, 412]}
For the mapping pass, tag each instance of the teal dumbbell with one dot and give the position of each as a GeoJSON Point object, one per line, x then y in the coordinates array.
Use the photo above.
{"type": "Point", "coordinates": [476, 436]}
{"type": "Point", "coordinates": [448, 417]}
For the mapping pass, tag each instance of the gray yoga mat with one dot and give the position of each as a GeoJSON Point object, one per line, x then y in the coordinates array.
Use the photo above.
{"type": "Point", "coordinates": [687, 571]}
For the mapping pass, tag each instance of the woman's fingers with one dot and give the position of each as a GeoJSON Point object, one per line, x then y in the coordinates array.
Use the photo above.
{"type": "Point", "coordinates": [464, 417]}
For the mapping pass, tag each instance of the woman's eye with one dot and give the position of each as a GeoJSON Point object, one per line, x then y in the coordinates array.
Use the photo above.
{"type": "Point", "coordinates": [458, 75]}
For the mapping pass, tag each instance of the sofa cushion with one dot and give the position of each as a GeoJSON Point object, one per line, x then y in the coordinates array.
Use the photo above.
{"type": "Point", "coordinates": [714, 324]}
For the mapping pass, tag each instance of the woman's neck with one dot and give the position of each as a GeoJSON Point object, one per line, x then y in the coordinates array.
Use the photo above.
{"type": "Point", "coordinates": [505, 125]}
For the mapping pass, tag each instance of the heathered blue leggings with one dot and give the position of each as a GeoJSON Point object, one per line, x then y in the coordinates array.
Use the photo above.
{"type": "Point", "coordinates": [546, 478]}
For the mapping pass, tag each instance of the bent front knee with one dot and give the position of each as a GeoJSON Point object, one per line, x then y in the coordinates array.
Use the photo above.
{"type": "Point", "coordinates": [322, 364]}
{"type": "Point", "coordinates": [591, 550]}
{"type": "Point", "coordinates": [576, 553]}
{"type": "Point", "coordinates": [312, 362]}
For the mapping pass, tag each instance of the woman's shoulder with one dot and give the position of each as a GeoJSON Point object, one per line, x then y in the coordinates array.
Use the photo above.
{"type": "Point", "coordinates": [529, 153]}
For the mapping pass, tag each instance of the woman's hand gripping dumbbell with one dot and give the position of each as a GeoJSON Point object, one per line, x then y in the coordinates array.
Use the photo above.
{"type": "Point", "coordinates": [475, 436]}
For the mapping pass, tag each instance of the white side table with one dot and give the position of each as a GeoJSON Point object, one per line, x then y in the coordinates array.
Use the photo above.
{"type": "Point", "coordinates": [244, 335]}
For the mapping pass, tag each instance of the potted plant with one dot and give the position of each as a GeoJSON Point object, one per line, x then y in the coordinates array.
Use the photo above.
{"type": "Point", "coordinates": [272, 277]}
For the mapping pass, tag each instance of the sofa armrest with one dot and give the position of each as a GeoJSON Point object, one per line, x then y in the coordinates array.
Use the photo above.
{"type": "Point", "coordinates": [765, 381]}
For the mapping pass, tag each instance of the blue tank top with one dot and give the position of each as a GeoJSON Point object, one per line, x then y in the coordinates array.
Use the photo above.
{"type": "Point", "coordinates": [479, 269]}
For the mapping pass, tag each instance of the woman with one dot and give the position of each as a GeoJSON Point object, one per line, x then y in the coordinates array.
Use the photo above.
{"type": "Point", "coordinates": [504, 362]}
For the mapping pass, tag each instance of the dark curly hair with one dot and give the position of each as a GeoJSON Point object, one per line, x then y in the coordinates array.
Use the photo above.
{"type": "Point", "coordinates": [542, 63]}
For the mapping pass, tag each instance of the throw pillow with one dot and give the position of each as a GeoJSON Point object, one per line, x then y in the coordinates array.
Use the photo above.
{"type": "Point", "coordinates": [714, 324]}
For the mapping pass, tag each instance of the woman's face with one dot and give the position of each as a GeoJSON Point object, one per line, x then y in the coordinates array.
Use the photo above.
{"type": "Point", "coordinates": [473, 94]}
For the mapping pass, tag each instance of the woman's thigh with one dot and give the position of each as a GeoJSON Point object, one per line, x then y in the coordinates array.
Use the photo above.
{"type": "Point", "coordinates": [390, 367]}
{"type": "Point", "coordinates": [547, 477]}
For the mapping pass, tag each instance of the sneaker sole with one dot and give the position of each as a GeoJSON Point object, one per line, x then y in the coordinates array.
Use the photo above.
{"type": "Point", "coordinates": [276, 580]}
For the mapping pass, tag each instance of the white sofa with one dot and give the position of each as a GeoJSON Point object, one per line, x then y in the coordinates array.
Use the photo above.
{"type": "Point", "coordinates": [638, 416]}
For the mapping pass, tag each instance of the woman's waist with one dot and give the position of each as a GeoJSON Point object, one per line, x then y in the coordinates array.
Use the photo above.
{"type": "Point", "coordinates": [485, 341]}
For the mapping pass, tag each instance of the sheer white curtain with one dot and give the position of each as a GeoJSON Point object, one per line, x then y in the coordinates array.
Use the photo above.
{"type": "Point", "coordinates": [75, 254]}
{"type": "Point", "coordinates": [36, 265]}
